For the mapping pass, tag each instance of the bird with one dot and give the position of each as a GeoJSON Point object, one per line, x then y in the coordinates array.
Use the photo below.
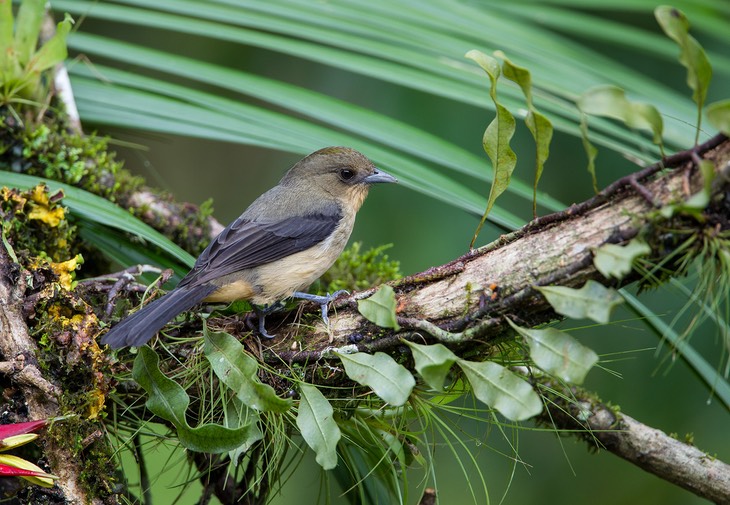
{"type": "Point", "coordinates": [286, 239]}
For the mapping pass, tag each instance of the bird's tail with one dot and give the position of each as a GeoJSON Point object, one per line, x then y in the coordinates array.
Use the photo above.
{"type": "Point", "coordinates": [141, 326]}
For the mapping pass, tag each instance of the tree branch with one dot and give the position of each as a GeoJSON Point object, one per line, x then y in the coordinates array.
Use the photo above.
{"type": "Point", "coordinates": [646, 447]}
{"type": "Point", "coordinates": [464, 302]}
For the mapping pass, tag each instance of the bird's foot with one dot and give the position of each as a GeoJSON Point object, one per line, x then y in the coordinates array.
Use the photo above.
{"type": "Point", "coordinates": [262, 312]}
{"type": "Point", "coordinates": [322, 300]}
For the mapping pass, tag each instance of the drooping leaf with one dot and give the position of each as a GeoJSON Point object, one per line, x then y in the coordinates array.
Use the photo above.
{"type": "Point", "coordinates": [239, 371]}
{"type": "Point", "coordinates": [501, 389]}
{"type": "Point", "coordinates": [558, 353]}
{"type": "Point", "coordinates": [590, 149]}
{"type": "Point", "coordinates": [538, 124]}
{"type": "Point", "coordinates": [718, 114]}
{"type": "Point", "coordinates": [610, 101]}
{"type": "Point", "coordinates": [496, 138]}
{"type": "Point", "coordinates": [389, 380]}
{"type": "Point", "coordinates": [317, 425]}
{"type": "Point", "coordinates": [380, 308]}
{"type": "Point", "coordinates": [593, 301]}
{"type": "Point", "coordinates": [169, 401]}
{"type": "Point", "coordinates": [692, 56]}
{"type": "Point", "coordinates": [433, 362]}
{"type": "Point", "coordinates": [617, 261]}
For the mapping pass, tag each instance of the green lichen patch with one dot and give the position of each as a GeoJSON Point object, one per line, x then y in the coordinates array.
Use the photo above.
{"type": "Point", "coordinates": [356, 269]}
{"type": "Point", "coordinates": [50, 151]}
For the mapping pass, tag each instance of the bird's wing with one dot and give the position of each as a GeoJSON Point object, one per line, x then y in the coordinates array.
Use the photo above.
{"type": "Point", "coordinates": [248, 244]}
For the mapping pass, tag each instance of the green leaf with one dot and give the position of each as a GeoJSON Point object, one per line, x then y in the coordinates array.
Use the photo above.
{"type": "Point", "coordinates": [389, 380]}
{"type": "Point", "coordinates": [617, 261]}
{"type": "Point", "coordinates": [169, 401]}
{"type": "Point", "coordinates": [239, 371]}
{"type": "Point", "coordinates": [539, 125]}
{"type": "Point", "coordinates": [54, 50]}
{"type": "Point", "coordinates": [380, 308]}
{"type": "Point", "coordinates": [558, 353]}
{"type": "Point", "coordinates": [317, 425]}
{"type": "Point", "coordinates": [590, 149]}
{"type": "Point", "coordinates": [27, 28]}
{"type": "Point", "coordinates": [692, 56]}
{"type": "Point", "coordinates": [496, 138]}
{"type": "Point", "coordinates": [501, 389]}
{"type": "Point", "coordinates": [610, 101]}
{"type": "Point", "coordinates": [8, 56]}
{"type": "Point", "coordinates": [96, 209]}
{"type": "Point", "coordinates": [718, 114]}
{"type": "Point", "coordinates": [592, 301]}
{"type": "Point", "coordinates": [433, 362]}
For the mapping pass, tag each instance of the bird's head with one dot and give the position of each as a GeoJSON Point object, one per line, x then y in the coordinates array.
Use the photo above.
{"type": "Point", "coordinates": [341, 172]}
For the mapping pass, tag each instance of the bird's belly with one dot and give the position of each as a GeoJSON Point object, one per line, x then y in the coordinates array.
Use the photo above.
{"type": "Point", "coordinates": [281, 278]}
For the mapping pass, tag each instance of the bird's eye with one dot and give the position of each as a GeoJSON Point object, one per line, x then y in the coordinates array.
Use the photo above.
{"type": "Point", "coordinates": [346, 174]}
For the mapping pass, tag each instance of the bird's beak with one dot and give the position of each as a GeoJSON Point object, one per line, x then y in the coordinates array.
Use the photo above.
{"type": "Point", "coordinates": [379, 176]}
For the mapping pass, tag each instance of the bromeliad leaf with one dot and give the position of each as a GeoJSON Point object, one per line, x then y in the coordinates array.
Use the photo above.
{"type": "Point", "coordinates": [617, 261]}
{"type": "Point", "coordinates": [238, 370]}
{"type": "Point", "coordinates": [380, 308]}
{"type": "Point", "coordinates": [14, 466]}
{"type": "Point", "coordinates": [592, 301]}
{"type": "Point", "coordinates": [501, 389]}
{"type": "Point", "coordinates": [169, 401]}
{"type": "Point", "coordinates": [496, 137]}
{"type": "Point", "coordinates": [433, 362]}
{"type": "Point", "coordinates": [389, 380]}
{"type": "Point", "coordinates": [558, 353]}
{"type": "Point", "coordinates": [317, 426]}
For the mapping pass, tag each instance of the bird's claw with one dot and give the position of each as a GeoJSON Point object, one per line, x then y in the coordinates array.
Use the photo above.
{"type": "Point", "coordinates": [322, 300]}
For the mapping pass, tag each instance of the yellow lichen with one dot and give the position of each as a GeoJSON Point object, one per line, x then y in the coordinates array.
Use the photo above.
{"type": "Point", "coordinates": [65, 271]}
{"type": "Point", "coordinates": [42, 209]}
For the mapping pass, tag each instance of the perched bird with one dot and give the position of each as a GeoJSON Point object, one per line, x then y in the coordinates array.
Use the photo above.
{"type": "Point", "coordinates": [284, 241]}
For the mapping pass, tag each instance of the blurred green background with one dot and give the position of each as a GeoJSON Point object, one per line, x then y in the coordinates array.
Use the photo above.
{"type": "Point", "coordinates": [648, 384]}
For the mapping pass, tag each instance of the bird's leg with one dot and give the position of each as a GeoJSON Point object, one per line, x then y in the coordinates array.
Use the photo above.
{"type": "Point", "coordinates": [262, 312]}
{"type": "Point", "coordinates": [323, 301]}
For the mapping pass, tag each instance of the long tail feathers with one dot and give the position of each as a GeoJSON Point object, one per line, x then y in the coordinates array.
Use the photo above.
{"type": "Point", "coordinates": [141, 326]}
